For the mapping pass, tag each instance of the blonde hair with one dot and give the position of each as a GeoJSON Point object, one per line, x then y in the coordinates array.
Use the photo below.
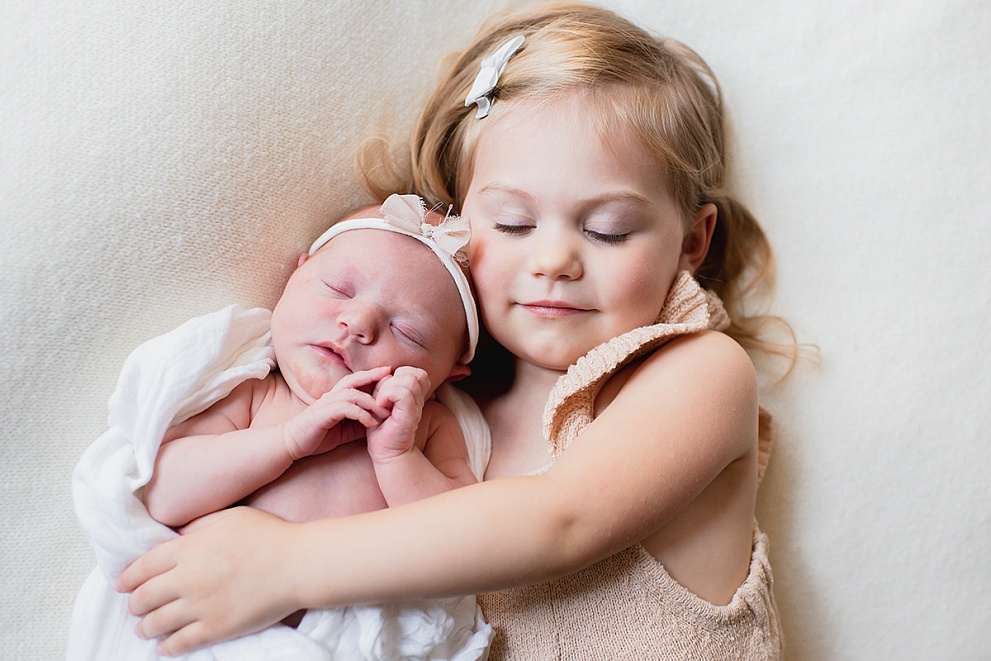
{"type": "Point", "coordinates": [655, 90]}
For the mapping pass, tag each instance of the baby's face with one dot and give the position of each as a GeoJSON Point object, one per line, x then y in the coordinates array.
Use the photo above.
{"type": "Point", "coordinates": [366, 299]}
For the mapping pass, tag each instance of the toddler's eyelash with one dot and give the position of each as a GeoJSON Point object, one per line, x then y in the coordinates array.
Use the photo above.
{"type": "Point", "coordinates": [512, 229]}
{"type": "Point", "coordinates": [607, 238]}
{"type": "Point", "coordinates": [597, 236]}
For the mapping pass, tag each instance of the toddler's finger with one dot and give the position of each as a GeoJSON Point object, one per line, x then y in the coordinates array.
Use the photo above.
{"type": "Point", "coordinates": [149, 597]}
{"type": "Point", "coordinates": [152, 564]}
{"type": "Point", "coordinates": [185, 640]}
{"type": "Point", "coordinates": [162, 621]}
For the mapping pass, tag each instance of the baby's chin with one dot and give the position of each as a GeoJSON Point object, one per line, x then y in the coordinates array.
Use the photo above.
{"type": "Point", "coordinates": [308, 390]}
{"type": "Point", "coordinates": [304, 396]}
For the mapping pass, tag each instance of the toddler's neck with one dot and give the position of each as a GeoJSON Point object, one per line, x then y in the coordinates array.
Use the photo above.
{"type": "Point", "coordinates": [515, 418]}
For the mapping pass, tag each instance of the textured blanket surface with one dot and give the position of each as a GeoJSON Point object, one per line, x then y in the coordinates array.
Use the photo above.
{"type": "Point", "coordinates": [159, 160]}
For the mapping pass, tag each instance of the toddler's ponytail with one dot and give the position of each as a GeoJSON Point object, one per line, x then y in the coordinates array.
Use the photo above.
{"type": "Point", "coordinates": [740, 269]}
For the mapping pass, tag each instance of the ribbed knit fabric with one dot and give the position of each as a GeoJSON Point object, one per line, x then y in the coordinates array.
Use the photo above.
{"type": "Point", "coordinates": [627, 606]}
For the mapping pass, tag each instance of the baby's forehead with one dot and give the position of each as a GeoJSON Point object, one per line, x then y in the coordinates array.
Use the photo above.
{"type": "Point", "coordinates": [356, 245]}
{"type": "Point", "coordinates": [386, 254]}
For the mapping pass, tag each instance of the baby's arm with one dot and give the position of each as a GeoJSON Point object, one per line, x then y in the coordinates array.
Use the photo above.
{"type": "Point", "coordinates": [217, 457]}
{"type": "Point", "coordinates": [214, 459]}
{"type": "Point", "coordinates": [419, 450]}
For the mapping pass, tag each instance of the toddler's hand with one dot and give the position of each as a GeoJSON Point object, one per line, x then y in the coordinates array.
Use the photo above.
{"type": "Point", "coordinates": [216, 583]}
{"type": "Point", "coordinates": [318, 429]}
{"type": "Point", "coordinates": [403, 394]}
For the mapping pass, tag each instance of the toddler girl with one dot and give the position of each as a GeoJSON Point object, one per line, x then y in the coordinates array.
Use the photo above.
{"type": "Point", "coordinates": [612, 269]}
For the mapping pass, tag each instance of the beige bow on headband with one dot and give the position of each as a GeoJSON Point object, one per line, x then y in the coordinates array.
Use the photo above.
{"type": "Point", "coordinates": [408, 213]}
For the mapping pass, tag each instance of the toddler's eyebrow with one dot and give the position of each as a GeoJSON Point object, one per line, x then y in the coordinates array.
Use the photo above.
{"type": "Point", "coordinates": [626, 196]}
{"type": "Point", "coordinates": [507, 190]}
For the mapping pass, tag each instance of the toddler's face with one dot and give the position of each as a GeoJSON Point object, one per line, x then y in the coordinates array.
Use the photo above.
{"type": "Point", "coordinates": [366, 299]}
{"type": "Point", "coordinates": [575, 239]}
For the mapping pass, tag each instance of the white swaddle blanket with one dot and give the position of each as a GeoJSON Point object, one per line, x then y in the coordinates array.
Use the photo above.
{"type": "Point", "coordinates": [165, 381]}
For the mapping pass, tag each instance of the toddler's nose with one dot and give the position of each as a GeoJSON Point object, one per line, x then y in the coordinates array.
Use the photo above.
{"type": "Point", "coordinates": [555, 255]}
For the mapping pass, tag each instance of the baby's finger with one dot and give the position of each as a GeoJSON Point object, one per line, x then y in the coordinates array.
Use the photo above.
{"type": "Point", "coordinates": [343, 403]}
{"type": "Point", "coordinates": [362, 379]}
{"type": "Point", "coordinates": [371, 404]}
{"type": "Point", "coordinates": [362, 416]}
{"type": "Point", "coordinates": [412, 377]}
{"type": "Point", "coordinates": [407, 386]}
{"type": "Point", "coordinates": [409, 371]}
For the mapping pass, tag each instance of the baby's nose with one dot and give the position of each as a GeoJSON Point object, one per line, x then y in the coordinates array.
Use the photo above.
{"type": "Point", "coordinates": [362, 321]}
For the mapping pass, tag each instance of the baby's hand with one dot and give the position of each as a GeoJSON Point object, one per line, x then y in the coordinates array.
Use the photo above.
{"type": "Point", "coordinates": [318, 429]}
{"type": "Point", "coordinates": [404, 394]}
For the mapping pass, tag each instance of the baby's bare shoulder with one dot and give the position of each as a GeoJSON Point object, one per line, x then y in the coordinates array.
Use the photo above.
{"type": "Point", "coordinates": [444, 443]}
{"type": "Point", "coordinates": [248, 401]}
{"type": "Point", "coordinates": [437, 423]}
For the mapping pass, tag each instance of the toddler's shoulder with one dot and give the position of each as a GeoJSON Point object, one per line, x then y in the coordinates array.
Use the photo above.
{"type": "Point", "coordinates": [701, 387]}
{"type": "Point", "coordinates": [709, 367]}
{"type": "Point", "coordinates": [708, 354]}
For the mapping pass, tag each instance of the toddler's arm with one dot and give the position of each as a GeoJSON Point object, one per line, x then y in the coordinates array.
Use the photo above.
{"type": "Point", "coordinates": [217, 457]}
{"type": "Point", "coordinates": [418, 450]}
{"type": "Point", "coordinates": [641, 462]}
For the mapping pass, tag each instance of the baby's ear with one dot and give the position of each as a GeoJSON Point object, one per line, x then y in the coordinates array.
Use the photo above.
{"type": "Point", "coordinates": [696, 244]}
{"type": "Point", "coordinates": [458, 372]}
{"type": "Point", "coordinates": [302, 258]}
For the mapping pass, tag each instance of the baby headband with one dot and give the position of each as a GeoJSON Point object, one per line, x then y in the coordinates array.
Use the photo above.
{"type": "Point", "coordinates": [492, 68]}
{"type": "Point", "coordinates": [406, 214]}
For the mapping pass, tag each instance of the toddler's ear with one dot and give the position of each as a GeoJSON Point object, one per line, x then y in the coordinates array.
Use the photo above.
{"type": "Point", "coordinates": [696, 243]}
{"type": "Point", "coordinates": [458, 372]}
{"type": "Point", "coordinates": [302, 258]}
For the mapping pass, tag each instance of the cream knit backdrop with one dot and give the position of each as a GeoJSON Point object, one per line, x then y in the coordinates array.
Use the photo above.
{"type": "Point", "coordinates": [161, 159]}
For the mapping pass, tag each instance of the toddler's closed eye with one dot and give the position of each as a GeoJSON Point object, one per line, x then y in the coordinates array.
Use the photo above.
{"type": "Point", "coordinates": [512, 229]}
{"type": "Point", "coordinates": [605, 237]}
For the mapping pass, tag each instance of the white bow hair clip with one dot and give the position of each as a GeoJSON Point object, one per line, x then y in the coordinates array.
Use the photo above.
{"type": "Point", "coordinates": [488, 76]}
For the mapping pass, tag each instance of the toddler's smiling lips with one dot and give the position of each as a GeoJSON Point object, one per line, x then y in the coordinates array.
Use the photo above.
{"type": "Point", "coordinates": [551, 309]}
